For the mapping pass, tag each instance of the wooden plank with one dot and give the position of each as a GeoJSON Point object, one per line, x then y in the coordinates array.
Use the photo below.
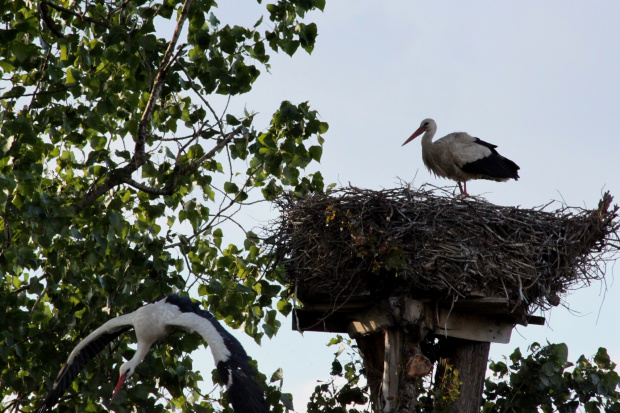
{"type": "Point", "coordinates": [474, 327]}
{"type": "Point", "coordinates": [477, 327]}
{"type": "Point", "coordinates": [495, 328]}
{"type": "Point", "coordinates": [328, 306]}
{"type": "Point", "coordinates": [320, 321]}
{"type": "Point", "coordinates": [370, 321]}
{"type": "Point", "coordinates": [536, 320]}
{"type": "Point", "coordinates": [483, 305]}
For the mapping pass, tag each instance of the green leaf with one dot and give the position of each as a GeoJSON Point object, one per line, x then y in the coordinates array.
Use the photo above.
{"type": "Point", "coordinates": [319, 4]}
{"type": "Point", "coordinates": [287, 400]}
{"type": "Point", "coordinates": [284, 307]}
{"type": "Point", "coordinates": [561, 351]}
{"type": "Point", "coordinates": [64, 52]}
{"type": "Point", "coordinates": [602, 359]}
{"type": "Point", "coordinates": [231, 188]}
{"type": "Point", "coordinates": [316, 152]}
{"type": "Point", "coordinates": [307, 36]}
{"type": "Point", "coordinates": [232, 121]}
{"type": "Point", "coordinates": [289, 46]}
{"type": "Point", "coordinates": [73, 76]}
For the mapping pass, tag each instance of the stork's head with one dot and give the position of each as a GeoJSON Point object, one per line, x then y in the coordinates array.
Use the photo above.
{"type": "Point", "coordinates": [427, 125]}
{"type": "Point", "coordinates": [125, 372]}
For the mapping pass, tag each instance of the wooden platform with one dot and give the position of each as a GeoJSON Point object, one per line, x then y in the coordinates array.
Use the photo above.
{"type": "Point", "coordinates": [486, 319]}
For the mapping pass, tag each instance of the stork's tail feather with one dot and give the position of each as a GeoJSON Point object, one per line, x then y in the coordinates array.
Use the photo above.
{"type": "Point", "coordinates": [513, 168]}
{"type": "Point", "coordinates": [494, 167]}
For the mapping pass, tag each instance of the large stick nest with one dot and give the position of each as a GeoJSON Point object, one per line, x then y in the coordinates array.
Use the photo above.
{"type": "Point", "coordinates": [355, 243]}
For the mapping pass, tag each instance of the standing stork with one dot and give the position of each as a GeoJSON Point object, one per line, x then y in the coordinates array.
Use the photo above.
{"type": "Point", "coordinates": [153, 322]}
{"type": "Point", "coordinates": [461, 157]}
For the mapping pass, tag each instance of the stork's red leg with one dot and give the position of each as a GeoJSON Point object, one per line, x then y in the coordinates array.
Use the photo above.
{"type": "Point", "coordinates": [463, 191]}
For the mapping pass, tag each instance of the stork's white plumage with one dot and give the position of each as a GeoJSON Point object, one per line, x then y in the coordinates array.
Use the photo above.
{"type": "Point", "coordinates": [154, 322]}
{"type": "Point", "coordinates": [461, 157]}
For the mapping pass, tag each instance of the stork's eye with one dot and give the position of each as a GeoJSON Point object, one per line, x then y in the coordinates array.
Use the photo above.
{"type": "Point", "coordinates": [425, 123]}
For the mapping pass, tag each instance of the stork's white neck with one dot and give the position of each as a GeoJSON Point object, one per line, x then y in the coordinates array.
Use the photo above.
{"type": "Point", "coordinates": [428, 136]}
{"type": "Point", "coordinates": [129, 366]}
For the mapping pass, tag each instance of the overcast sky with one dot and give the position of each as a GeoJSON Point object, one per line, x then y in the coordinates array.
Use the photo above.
{"type": "Point", "coordinates": [538, 79]}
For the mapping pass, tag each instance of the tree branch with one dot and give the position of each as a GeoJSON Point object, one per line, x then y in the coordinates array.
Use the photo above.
{"type": "Point", "coordinates": [122, 6]}
{"type": "Point", "coordinates": [99, 190]}
{"type": "Point", "coordinates": [139, 156]}
{"type": "Point", "coordinates": [47, 19]}
{"type": "Point", "coordinates": [194, 164]}
{"type": "Point", "coordinates": [7, 227]}
{"type": "Point", "coordinates": [220, 213]}
{"type": "Point", "coordinates": [27, 286]}
{"type": "Point", "coordinates": [150, 190]}
{"type": "Point", "coordinates": [123, 175]}
{"type": "Point", "coordinates": [180, 171]}
{"type": "Point", "coordinates": [206, 102]}
{"type": "Point", "coordinates": [75, 14]}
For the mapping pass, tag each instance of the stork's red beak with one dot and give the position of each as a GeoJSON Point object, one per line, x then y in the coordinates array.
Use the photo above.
{"type": "Point", "coordinates": [119, 386]}
{"type": "Point", "coordinates": [415, 135]}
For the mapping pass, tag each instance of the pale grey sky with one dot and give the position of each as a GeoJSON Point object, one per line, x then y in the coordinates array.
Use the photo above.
{"type": "Point", "coordinates": [538, 79]}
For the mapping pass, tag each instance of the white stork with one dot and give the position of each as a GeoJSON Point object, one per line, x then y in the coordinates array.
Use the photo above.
{"type": "Point", "coordinates": [461, 157]}
{"type": "Point", "coordinates": [153, 322]}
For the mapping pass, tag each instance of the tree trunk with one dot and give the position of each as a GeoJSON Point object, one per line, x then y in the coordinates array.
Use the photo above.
{"type": "Point", "coordinates": [470, 359]}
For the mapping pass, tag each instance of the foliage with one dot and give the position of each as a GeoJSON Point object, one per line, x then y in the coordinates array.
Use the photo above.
{"type": "Point", "coordinates": [441, 398]}
{"type": "Point", "coordinates": [546, 381]}
{"type": "Point", "coordinates": [328, 397]}
{"type": "Point", "coordinates": [120, 170]}
{"type": "Point", "coordinates": [543, 381]}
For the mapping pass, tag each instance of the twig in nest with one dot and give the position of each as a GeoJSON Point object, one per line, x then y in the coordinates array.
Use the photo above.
{"type": "Point", "coordinates": [356, 242]}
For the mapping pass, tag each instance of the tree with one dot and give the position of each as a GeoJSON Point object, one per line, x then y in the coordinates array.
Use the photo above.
{"type": "Point", "coordinates": [546, 381]}
{"type": "Point", "coordinates": [117, 175]}
{"type": "Point", "coordinates": [542, 381]}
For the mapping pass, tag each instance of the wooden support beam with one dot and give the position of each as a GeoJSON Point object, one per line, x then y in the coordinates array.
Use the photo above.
{"type": "Point", "coordinates": [372, 347]}
{"type": "Point", "coordinates": [388, 335]}
{"type": "Point", "coordinates": [392, 371]}
{"type": "Point", "coordinates": [371, 320]}
{"type": "Point", "coordinates": [446, 322]}
{"type": "Point", "coordinates": [477, 327]}
{"type": "Point", "coordinates": [470, 359]}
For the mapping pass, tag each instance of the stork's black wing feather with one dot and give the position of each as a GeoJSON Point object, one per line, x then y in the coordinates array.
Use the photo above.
{"type": "Point", "coordinates": [494, 166]}
{"type": "Point", "coordinates": [243, 392]}
{"type": "Point", "coordinates": [74, 365]}
{"type": "Point", "coordinates": [487, 144]}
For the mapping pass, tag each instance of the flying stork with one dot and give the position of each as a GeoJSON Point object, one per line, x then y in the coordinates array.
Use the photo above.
{"type": "Point", "coordinates": [153, 322]}
{"type": "Point", "coordinates": [461, 157]}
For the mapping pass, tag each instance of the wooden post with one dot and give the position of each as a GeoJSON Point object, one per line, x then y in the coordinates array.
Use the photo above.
{"type": "Point", "coordinates": [392, 371]}
{"type": "Point", "coordinates": [372, 347]}
{"type": "Point", "coordinates": [470, 359]}
{"type": "Point", "coordinates": [388, 335]}
{"type": "Point", "coordinates": [394, 367]}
